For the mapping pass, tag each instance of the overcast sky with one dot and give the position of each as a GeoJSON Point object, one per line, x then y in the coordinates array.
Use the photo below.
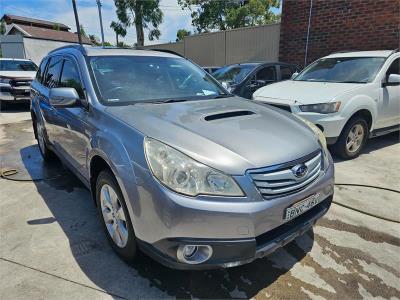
{"type": "Point", "coordinates": [61, 11]}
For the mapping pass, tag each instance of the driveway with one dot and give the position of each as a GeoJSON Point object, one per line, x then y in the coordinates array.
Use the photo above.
{"type": "Point", "coordinates": [52, 245]}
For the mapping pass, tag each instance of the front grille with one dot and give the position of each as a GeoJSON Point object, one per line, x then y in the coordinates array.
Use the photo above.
{"type": "Point", "coordinates": [284, 107]}
{"type": "Point", "coordinates": [278, 181]}
{"type": "Point", "coordinates": [20, 82]}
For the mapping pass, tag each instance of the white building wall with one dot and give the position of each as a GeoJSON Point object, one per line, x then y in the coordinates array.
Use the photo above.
{"type": "Point", "coordinates": [36, 49]}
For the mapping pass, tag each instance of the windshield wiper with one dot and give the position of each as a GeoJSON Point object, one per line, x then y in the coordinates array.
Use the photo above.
{"type": "Point", "coordinates": [222, 96]}
{"type": "Point", "coordinates": [168, 101]}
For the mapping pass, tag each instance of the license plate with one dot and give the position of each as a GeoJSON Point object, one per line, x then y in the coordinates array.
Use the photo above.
{"type": "Point", "coordinates": [302, 206]}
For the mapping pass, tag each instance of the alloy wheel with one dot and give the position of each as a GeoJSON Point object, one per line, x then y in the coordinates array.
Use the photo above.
{"type": "Point", "coordinates": [355, 138]}
{"type": "Point", "coordinates": [113, 216]}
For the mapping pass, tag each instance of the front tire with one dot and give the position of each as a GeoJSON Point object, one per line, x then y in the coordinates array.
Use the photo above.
{"type": "Point", "coordinates": [41, 137]}
{"type": "Point", "coordinates": [114, 216]}
{"type": "Point", "coordinates": [353, 138]}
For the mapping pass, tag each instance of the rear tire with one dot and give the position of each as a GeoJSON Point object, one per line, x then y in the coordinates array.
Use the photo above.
{"type": "Point", "coordinates": [114, 217]}
{"type": "Point", "coordinates": [353, 138]}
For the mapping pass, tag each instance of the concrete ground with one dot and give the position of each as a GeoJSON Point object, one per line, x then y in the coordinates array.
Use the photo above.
{"type": "Point", "coordinates": [52, 245]}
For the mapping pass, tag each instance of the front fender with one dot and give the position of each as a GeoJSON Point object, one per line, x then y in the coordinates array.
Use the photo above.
{"type": "Point", "coordinates": [360, 102]}
{"type": "Point", "coordinates": [112, 150]}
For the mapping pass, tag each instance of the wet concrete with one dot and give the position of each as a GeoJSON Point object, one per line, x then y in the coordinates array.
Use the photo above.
{"type": "Point", "coordinates": [52, 245]}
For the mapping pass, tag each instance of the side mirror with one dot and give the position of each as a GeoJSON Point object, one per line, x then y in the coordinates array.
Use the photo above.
{"type": "Point", "coordinates": [294, 75]}
{"type": "Point", "coordinates": [63, 97]}
{"type": "Point", "coordinates": [393, 79]}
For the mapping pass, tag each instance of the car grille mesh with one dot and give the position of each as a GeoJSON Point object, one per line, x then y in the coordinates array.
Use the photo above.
{"type": "Point", "coordinates": [279, 181]}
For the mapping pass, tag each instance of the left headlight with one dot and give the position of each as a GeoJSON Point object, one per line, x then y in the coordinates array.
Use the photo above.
{"type": "Point", "coordinates": [4, 80]}
{"type": "Point", "coordinates": [317, 132]}
{"type": "Point", "coordinates": [184, 175]}
{"type": "Point", "coordinates": [321, 108]}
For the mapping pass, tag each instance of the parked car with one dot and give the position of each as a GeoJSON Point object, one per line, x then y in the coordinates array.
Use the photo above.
{"type": "Point", "coordinates": [211, 70]}
{"type": "Point", "coordinates": [165, 173]}
{"type": "Point", "coordinates": [245, 78]}
{"type": "Point", "coordinates": [350, 96]}
{"type": "Point", "coordinates": [16, 76]}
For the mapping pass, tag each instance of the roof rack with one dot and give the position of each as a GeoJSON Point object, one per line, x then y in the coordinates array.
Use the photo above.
{"type": "Point", "coordinates": [344, 51]}
{"type": "Point", "coordinates": [166, 51]}
{"type": "Point", "coordinates": [394, 51]}
{"type": "Point", "coordinates": [77, 47]}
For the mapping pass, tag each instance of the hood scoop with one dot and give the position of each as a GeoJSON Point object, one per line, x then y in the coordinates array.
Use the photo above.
{"type": "Point", "coordinates": [229, 114]}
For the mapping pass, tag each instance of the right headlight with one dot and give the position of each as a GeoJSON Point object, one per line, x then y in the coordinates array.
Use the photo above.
{"type": "Point", "coordinates": [321, 108]}
{"type": "Point", "coordinates": [184, 175]}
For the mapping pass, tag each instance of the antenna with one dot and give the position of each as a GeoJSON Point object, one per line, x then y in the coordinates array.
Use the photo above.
{"type": "Point", "coordinates": [77, 22]}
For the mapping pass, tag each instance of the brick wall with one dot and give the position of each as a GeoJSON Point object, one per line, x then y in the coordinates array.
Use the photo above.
{"type": "Point", "coordinates": [337, 25]}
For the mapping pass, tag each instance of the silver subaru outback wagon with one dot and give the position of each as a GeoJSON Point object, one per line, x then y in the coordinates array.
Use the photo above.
{"type": "Point", "coordinates": [178, 167]}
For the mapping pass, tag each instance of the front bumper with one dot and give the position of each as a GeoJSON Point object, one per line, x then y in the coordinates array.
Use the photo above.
{"type": "Point", "coordinates": [236, 252]}
{"type": "Point", "coordinates": [330, 124]}
{"type": "Point", "coordinates": [10, 93]}
{"type": "Point", "coordinates": [239, 229]}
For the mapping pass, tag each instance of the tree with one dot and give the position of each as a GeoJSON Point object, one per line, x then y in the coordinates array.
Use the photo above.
{"type": "Point", "coordinates": [2, 27]}
{"type": "Point", "coordinates": [119, 30]}
{"type": "Point", "coordinates": [221, 15]}
{"type": "Point", "coordinates": [94, 40]}
{"type": "Point", "coordinates": [181, 33]}
{"type": "Point", "coordinates": [83, 32]}
{"type": "Point", "coordinates": [143, 14]}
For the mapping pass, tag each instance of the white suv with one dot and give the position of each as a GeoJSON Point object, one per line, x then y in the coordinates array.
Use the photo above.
{"type": "Point", "coordinates": [350, 96]}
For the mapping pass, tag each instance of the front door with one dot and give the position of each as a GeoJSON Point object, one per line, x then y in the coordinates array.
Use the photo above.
{"type": "Point", "coordinates": [73, 137]}
{"type": "Point", "coordinates": [390, 104]}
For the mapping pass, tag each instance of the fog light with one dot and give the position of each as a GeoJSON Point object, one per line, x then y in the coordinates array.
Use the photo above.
{"type": "Point", "coordinates": [194, 254]}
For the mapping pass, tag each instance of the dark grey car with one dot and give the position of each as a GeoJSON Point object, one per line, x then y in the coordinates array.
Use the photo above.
{"type": "Point", "coordinates": [179, 167]}
{"type": "Point", "coordinates": [245, 78]}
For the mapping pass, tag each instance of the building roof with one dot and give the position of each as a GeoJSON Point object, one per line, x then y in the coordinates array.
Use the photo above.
{"type": "Point", "coordinates": [49, 34]}
{"type": "Point", "coordinates": [9, 19]}
{"type": "Point", "coordinates": [376, 53]}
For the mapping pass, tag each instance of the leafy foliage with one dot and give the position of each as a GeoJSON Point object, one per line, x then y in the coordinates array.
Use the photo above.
{"type": "Point", "coordinates": [143, 14]}
{"type": "Point", "coordinates": [181, 33]}
{"type": "Point", "coordinates": [210, 15]}
{"type": "Point", "coordinates": [2, 27]}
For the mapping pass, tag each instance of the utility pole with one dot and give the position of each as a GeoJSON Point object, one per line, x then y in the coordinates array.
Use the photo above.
{"type": "Point", "coordinates": [78, 27]}
{"type": "Point", "coordinates": [101, 22]}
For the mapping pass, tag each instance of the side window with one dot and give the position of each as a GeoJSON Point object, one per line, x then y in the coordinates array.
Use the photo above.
{"type": "Point", "coordinates": [70, 78]}
{"type": "Point", "coordinates": [286, 72]}
{"type": "Point", "coordinates": [40, 71]}
{"type": "Point", "coordinates": [394, 68]}
{"type": "Point", "coordinates": [266, 74]}
{"type": "Point", "coordinates": [53, 72]}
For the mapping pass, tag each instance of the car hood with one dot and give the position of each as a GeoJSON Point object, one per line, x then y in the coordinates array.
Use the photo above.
{"type": "Point", "coordinates": [231, 144]}
{"type": "Point", "coordinates": [304, 92]}
{"type": "Point", "coordinates": [18, 74]}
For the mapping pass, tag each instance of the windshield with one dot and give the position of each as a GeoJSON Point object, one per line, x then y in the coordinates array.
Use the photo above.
{"type": "Point", "coordinates": [342, 69]}
{"type": "Point", "coordinates": [130, 79]}
{"type": "Point", "coordinates": [233, 74]}
{"type": "Point", "coordinates": [17, 65]}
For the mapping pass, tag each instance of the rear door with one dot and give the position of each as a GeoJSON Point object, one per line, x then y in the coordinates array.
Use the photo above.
{"type": "Point", "coordinates": [285, 72]}
{"type": "Point", "coordinates": [262, 76]}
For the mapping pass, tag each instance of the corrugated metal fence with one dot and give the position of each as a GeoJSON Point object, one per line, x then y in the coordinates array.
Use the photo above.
{"type": "Point", "coordinates": [231, 46]}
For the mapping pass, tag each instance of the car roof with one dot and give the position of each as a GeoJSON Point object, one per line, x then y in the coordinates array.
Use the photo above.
{"type": "Point", "coordinates": [15, 59]}
{"type": "Point", "coordinates": [376, 53]}
{"type": "Point", "coordinates": [112, 51]}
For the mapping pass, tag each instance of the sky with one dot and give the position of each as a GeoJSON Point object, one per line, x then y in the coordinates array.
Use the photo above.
{"type": "Point", "coordinates": [61, 11]}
